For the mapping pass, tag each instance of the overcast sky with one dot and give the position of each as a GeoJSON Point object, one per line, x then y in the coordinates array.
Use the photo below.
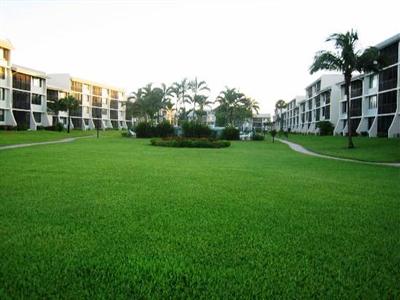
{"type": "Point", "coordinates": [264, 48]}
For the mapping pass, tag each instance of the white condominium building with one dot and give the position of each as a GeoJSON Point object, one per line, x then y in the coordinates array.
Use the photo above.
{"type": "Point", "coordinates": [22, 93]}
{"type": "Point", "coordinates": [25, 93]}
{"type": "Point", "coordinates": [374, 98]}
{"type": "Point", "coordinates": [101, 106]}
{"type": "Point", "coordinates": [303, 113]}
{"type": "Point", "coordinates": [374, 101]}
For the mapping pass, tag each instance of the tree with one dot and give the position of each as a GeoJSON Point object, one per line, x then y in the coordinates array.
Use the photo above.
{"type": "Point", "coordinates": [196, 87]}
{"type": "Point", "coordinates": [273, 134]}
{"type": "Point", "coordinates": [347, 60]}
{"type": "Point", "coordinates": [229, 102]}
{"type": "Point", "coordinates": [68, 104]}
{"type": "Point", "coordinates": [180, 89]}
{"type": "Point", "coordinates": [280, 105]}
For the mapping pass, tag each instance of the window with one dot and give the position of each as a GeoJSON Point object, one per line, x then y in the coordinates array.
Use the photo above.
{"type": "Point", "coordinates": [373, 81]}
{"type": "Point", "coordinates": [2, 73]}
{"type": "Point", "coordinates": [309, 92]}
{"type": "Point", "coordinates": [309, 104]}
{"type": "Point", "coordinates": [21, 81]}
{"type": "Point", "coordinates": [327, 112]}
{"type": "Point", "coordinates": [2, 94]}
{"type": "Point", "coordinates": [52, 95]}
{"type": "Point", "coordinates": [4, 54]}
{"type": "Point", "coordinates": [114, 104]}
{"type": "Point", "coordinates": [372, 102]}
{"type": "Point", "coordinates": [37, 82]}
{"type": "Point", "coordinates": [388, 79]}
{"type": "Point", "coordinates": [344, 107]}
{"type": "Point", "coordinates": [356, 88]}
{"type": "Point", "coordinates": [342, 91]}
{"type": "Point", "coordinates": [355, 109]}
{"type": "Point", "coordinates": [36, 99]}
{"type": "Point", "coordinates": [1, 115]}
{"type": "Point", "coordinates": [38, 117]}
{"type": "Point", "coordinates": [21, 100]}
{"type": "Point", "coordinates": [76, 86]}
{"type": "Point", "coordinates": [317, 101]}
{"type": "Point", "coordinates": [317, 114]}
{"type": "Point", "coordinates": [113, 114]}
{"type": "Point", "coordinates": [387, 102]}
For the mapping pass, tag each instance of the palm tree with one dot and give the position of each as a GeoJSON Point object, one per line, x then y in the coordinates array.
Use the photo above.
{"type": "Point", "coordinates": [197, 87]}
{"type": "Point", "coordinates": [135, 106]}
{"type": "Point", "coordinates": [203, 102]}
{"type": "Point", "coordinates": [280, 105]}
{"type": "Point", "coordinates": [180, 90]}
{"type": "Point", "coordinates": [229, 101]}
{"type": "Point", "coordinates": [68, 104]}
{"type": "Point", "coordinates": [347, 60]}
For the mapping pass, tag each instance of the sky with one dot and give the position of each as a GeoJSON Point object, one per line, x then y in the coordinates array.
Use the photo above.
{"type": "Point", "coordinates": [263, 48]}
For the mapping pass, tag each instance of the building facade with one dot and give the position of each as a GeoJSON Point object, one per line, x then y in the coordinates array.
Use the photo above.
{"type": "Point", "coordinates": [101, 106]}
{"type": "Point", "coordinates": [25, 94]}
{"type": "Point", "coordinates": [374, 98]}
{"type": "Point", "coordinates": [374, 101]}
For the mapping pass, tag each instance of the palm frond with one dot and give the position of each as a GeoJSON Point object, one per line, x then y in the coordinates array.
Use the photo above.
{"type": "Point", "coordinates": [326, 60]}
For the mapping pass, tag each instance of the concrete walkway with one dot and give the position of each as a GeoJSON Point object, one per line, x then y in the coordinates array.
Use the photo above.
{"type": "Point", "coordinates": [67, 140]}
{"type": "Point", "coordinates": [301, 149]}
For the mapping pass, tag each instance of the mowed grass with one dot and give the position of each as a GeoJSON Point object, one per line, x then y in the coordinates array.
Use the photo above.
{"type": "Point", "coordinates": [366, 149]}
{"type": "Point", "coordinates": [23, 137]}
{"type": "Point", "coordinates": [116, 217]}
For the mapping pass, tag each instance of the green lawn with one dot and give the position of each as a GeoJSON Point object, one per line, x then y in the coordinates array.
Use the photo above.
{"type": "Point", "coordinates": [22, 137]}
{"type": "Point", "coordinates": [368, 149]}
{"type": "Point", "coordinates": [116, 217]}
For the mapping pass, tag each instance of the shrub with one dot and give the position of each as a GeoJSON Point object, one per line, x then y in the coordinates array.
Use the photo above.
{"type": "Point", "coordinates": [230, 133]}
{"type": "Point", "coordinates": [144, 130]}
{"type": "Point", "coordinates": [273, 134]}
{"type": "Point", "coordinates": [182, 142]}
{"type": "Point", "coordinates": [22, 127]}
{"type": "Point", "coordinates": [364, 133]}
{"type": "Point", "coordinates": [40, 128]}
{"type": "Point", "coordinates": [257, 137]}
{"type": "Point", "coordinates": [196, 130]}
{"type": "Point", "coordinates": [325, 128]}
{"type": "Point", "coordinates": [7, 127]}
{"type": "Point", "coordinates": [164, 129]}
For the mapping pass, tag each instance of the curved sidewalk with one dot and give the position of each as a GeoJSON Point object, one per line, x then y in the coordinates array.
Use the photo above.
{"type": "Point", "coordinates": [67, 140]}
{"type": "Point", "coordinates": [301, 149]}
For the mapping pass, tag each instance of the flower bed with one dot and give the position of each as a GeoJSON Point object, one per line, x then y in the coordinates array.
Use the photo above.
{"type": "Point", "coordinates": [189, 143]}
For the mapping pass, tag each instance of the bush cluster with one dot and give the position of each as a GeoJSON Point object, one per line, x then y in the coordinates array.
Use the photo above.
{"type": "Point", "coordinates": [325, 128]}
{"type": "Point", "coordinates": [147, 130]}
{"type": "Point", "coordinates": [189, 142]}
{"type": "Point", "coordinates": [230, 133]}
{"type": "Point", "coordinates": [196, 130]}
{"type": "Point", "coordinates": [257, 137]}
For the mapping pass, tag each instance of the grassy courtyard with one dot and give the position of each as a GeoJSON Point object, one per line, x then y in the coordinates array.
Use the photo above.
{"type": "Point", "coordinates": [366, 149]}
{"type": "Point", "coordinates": [22, 137]}
{"type": "Point", "coordinates": [116, 216]}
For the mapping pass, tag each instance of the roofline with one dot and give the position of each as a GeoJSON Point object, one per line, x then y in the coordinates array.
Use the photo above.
{"type": "Point", "coordinates": [5, 43]}
{"type": "Point", "coordinates": [28, 71]}
{"type": "Point", "coordinates": [387, 42]}
{"type": "Point", "coordinates": [90, 82]}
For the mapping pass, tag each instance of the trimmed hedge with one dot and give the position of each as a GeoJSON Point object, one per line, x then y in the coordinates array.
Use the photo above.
{"type": "Point", "coordinates": [180, 142]}
{"type": "Point", "coordinates": [231, 133]}
{"type": "Point", "coordinates": [147, 130]}
{"type": "Point", "coordinates": [196, 130]}
{"type": "Point", "coordinates": [325, 128]}
{"type": "Point", "coordinates": [257, 137]}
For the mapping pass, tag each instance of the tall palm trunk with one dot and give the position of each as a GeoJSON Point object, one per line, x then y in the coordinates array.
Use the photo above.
{"type": "Point", "coordinates": [349, 129]}
{"type": "Point", "coordinates": [69, 121]}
